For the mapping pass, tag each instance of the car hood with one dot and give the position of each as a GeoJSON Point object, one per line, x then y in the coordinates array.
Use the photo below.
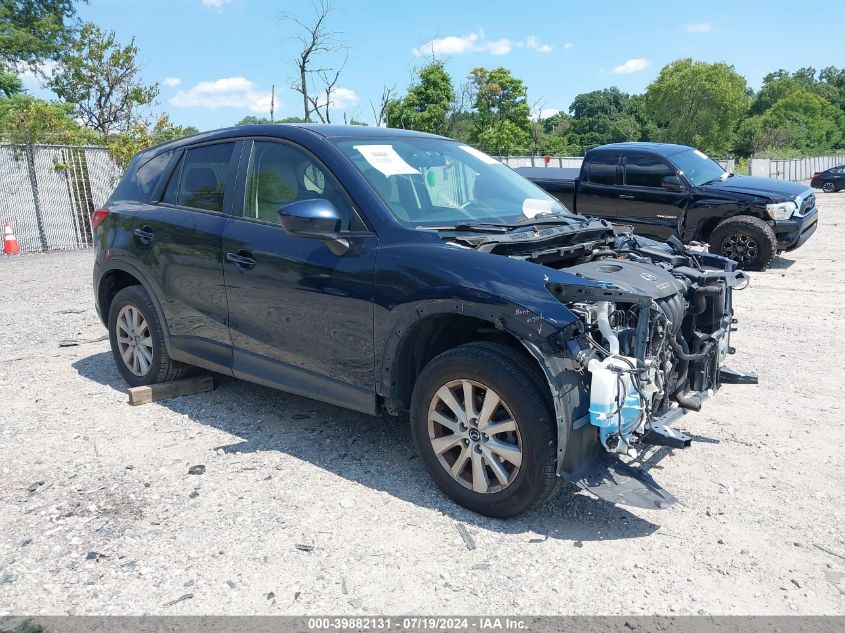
{"type": "Point", "coordinates": [767, 187]}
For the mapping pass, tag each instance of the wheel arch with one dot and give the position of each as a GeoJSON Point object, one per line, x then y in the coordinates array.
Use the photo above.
{"type": "Point", "coordinates": [438, 332]}
{"type": "Point", "coordinates": [117, 276]}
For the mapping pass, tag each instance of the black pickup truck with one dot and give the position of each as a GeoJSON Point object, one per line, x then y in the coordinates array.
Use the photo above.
{"type": "Point", "coordinates": [662, 189]}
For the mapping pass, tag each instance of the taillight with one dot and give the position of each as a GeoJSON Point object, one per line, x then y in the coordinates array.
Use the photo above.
{"type": "Point", "coordinates": [98, 217]}
{"type": "Point", "coordinates": [817, 174]}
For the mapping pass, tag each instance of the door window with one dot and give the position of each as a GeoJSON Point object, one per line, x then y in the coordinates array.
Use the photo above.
{"type": "Point", "coordinates": [149, 174]}
{"type": "Point", "coordinates": [201, 178]}
{"type": "Point", "coordinates": [280, 174]}
{"type": "Point", "coordinates": [602, 169]}
{"type": "Point", "coordinates": [645, 171]}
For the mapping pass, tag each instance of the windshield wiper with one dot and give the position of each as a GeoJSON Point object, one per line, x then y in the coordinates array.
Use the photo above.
{"type": "Point", "coordinates": [502, 227]}
{"type": "Point", "coordinates": [552, 218]}
{"type": "Point", "coordinates": [719, 179]}
{"type": "Point", "coordinates": [470, 228]}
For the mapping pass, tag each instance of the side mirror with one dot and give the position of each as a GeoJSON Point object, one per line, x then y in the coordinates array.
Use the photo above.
{"type": "Point", "coordinates": [673, 183]}
{"type": "Point", "coordinates": [316, 219]}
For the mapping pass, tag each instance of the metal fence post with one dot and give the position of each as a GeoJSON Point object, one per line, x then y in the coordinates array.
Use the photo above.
{"type": "Point", "coordinates": [30, 167]}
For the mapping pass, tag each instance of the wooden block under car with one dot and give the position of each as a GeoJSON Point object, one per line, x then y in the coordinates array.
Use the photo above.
{"type": "Point", "coordinates": [165, 390]}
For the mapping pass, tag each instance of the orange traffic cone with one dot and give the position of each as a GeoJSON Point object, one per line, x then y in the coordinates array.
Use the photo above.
{"type": "Point", "coordinates": [10, 242]}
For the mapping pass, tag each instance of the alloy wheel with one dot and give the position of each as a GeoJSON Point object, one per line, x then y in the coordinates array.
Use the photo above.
{"type": "Point", "coordinates": [134, 341]}
{"type": "Point", "coordinates": [475, 436]}
{"type": "Point", "coordinates": [740, 247]}
{"type": "Point", "coordinates": [828, 187]}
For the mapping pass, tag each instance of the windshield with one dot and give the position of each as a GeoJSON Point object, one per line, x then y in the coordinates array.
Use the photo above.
{"type": "Point", "coordinates": [436, 182]}
{"type": "Point", "coordinates": [698, 167]}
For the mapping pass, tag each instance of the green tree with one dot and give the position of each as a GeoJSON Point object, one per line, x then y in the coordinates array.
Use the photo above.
{"type": "Point", "coordinates": [698, 104]}
{"type": "Point", "coordinates": [814, 123]}
{"type": "Point", "coordinates": [101, 78]}
{"type": "Point", "coordinates": [253, 120]}
{"type": "Point", "coordinates": [503, 117]}
{"type": "Point", "coordinates": [26, 120]}
{"type": "Point", "coordinates": [832, 85]}
{"type": "Point", "coordinates": [10, 84]}
{"type": "Point", "coordinates": [32, 31]}
{"type": "Point", "coordinates": [144, 134]}
{"type": "Point", "coordinates": [780, 84]}
{"type": "Point", "coordinates": [427, 105]}
{"type": "Point", "coordinates": [605, 116]}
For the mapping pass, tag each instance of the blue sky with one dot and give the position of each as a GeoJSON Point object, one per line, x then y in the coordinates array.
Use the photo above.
{"type": "Point", "coordinates": [216, 60]}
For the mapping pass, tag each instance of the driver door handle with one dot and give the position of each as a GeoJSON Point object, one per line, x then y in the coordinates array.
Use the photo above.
{"type": "Point", "coordinates": [242, 259]}
{"type": "Point", "coordinates": [626, 196]}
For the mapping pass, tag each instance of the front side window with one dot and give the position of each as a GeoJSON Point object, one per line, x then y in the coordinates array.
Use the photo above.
{"type": "Point", "coordinates": [645, 171]}
{"type": "Point", "coordinates": [280, 174]}
{"type": "Point", "coordinates": [200, 179]}
{"type": "Point", "coordinates": [437, 182]}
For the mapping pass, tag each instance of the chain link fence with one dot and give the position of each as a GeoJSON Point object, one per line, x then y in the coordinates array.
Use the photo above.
{"type": "Point", "coordinates": [48, 193]}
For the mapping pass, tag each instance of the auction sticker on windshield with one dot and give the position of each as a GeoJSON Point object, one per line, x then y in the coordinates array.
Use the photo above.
{"type": "Point", "coordinates": [534, 206]}
{"type": "Point", "coordinates": [385, 159]}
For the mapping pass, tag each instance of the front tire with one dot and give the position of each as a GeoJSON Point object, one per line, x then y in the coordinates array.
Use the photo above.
{"type": "Point", "coordinates": [485, 429]}
{"type": "Point", "coordinates": [745, 239]}
{"type": "Point", "coordinates": [829, 186]}
{"type": "Point", "coordinates": [137, 340]}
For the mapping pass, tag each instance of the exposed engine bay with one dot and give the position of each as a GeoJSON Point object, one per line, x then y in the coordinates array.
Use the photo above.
{"type": "Point", "coordinates": [654, 333]}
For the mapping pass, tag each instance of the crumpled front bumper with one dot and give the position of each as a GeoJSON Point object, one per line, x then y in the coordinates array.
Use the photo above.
{"type": "Point", "coordinates": [793, 233]}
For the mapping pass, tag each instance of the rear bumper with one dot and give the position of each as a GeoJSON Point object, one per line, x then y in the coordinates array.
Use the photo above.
{"type": "Point", "coordinates": [793, 233]}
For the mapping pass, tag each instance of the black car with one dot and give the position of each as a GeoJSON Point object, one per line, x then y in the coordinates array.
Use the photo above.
{"type": "Point", "coordinates": [830, 181]}
{"type": "Point", "coordinates": [403, 273]}
{"type": "Point", "coordinates": [662, 189]}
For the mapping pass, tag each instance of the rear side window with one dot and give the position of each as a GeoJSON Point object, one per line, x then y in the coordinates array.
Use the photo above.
{"type": "Point", "coordinates": [645, 171]}
{"type": "Point", "coordinates": [201, 178]}
{"type": "Point", "coordinates": [602, 169]}
{"type": "Point", "coordinates": [149, 175]}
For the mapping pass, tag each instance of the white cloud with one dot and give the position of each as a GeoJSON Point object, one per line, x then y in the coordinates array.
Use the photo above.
{"type": "Point", "coordinates": [171, 82]}
{"type": "Point", "coordinates": [632, 66]}
{"type": "Point", "coordinates": [215, 4]}
{"type": "Point", "coordinates": [457, 45]}
{"type": "Point", "coordinates": [35, 78]}
{"type": "Point", "coordinates": [344, 98]}
{"type": "Point", "coordinates": [545, 113]}
{"type": "Point", "coordinates": [228, 92]}
{"type": "Point", "coordinates": [533, 43]}
{"type": "Point", "coordinates": [568, 45]}
{"type": "Point", "coordinates": [700, 27]}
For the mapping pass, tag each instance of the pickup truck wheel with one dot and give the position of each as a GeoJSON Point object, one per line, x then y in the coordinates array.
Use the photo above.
{"type": "Point", "coordinates": [829, 186]}
{"type": "Point", "coordinates": [485, 430]}
{"type": "Point", "coordinates": [745, 239]}
{"type": "Point", "coordinates": [137, 340]}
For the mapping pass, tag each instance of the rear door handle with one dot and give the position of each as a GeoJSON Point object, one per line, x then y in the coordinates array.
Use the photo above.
{"type": "Point", "coordinates": [626, 196]}
{"type": "Point", "coordinates": [242, 259]}
{"type": "Point", "coordinates": [145, 235]}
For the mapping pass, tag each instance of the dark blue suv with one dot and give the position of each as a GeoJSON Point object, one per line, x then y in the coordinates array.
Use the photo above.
{"type": "Point", "coordinates": [397, 272]}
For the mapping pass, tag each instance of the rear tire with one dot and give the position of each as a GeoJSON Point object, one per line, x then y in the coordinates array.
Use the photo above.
{"type": "Point", "coordinates": [829, 186]}
{"type": "Point", "coordinates": [745, 239]}
{"type": "Point", "coordinates": [503, 460]}
{"type": "Point", "coordinates": [137, 340]}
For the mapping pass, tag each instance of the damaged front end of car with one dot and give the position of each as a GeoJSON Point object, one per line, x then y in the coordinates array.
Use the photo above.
{"type": "Point", "coordinates": [655, 337]}
{"type": "Point", "coordinates": [650, 344]}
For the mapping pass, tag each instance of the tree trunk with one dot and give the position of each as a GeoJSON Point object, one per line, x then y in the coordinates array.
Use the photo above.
{"type": "Point", "coordinates": [304, 79]}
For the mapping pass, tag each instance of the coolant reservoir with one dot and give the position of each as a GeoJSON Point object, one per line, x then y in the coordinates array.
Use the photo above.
{"type": "Point", "coordinates": [605, 398]}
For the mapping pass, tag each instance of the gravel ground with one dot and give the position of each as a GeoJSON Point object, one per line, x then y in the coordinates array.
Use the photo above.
{"type": "Point", "coordinates": [305, 508]}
